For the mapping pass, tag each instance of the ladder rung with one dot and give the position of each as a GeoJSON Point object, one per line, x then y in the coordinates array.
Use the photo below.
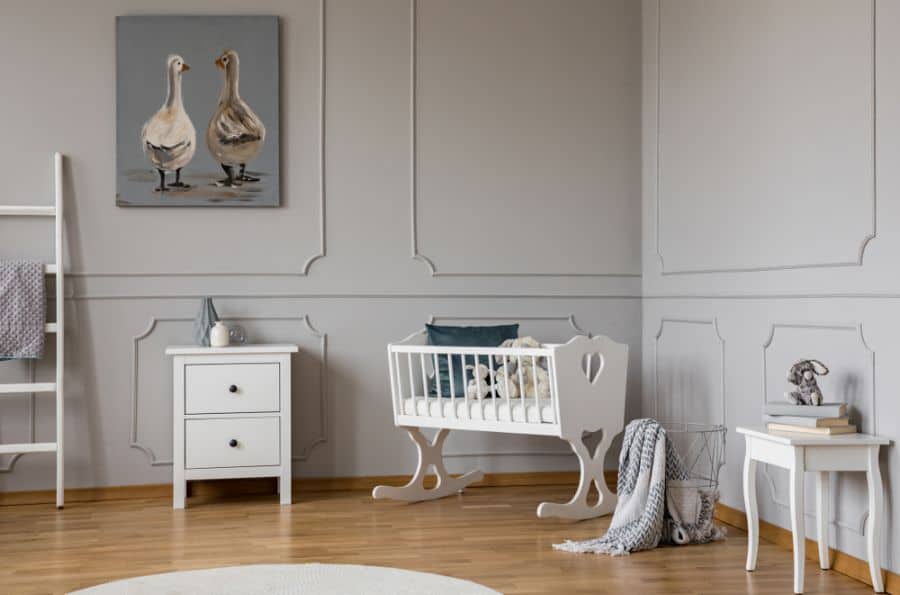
{"type": "Point", "coordinates": [27, 211]}
{"type": "Point", "coordinates": [50, 327]}
{"type": "Point", "coordinates": [13, 449]}
{"type": "Point", "coordinates": [28, 387]}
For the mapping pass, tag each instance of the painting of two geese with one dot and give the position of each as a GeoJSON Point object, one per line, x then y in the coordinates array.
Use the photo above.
{"type": "Point", "coordinates": [197, 111]}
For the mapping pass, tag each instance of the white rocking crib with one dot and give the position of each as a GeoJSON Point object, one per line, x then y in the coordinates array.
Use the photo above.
{"type": "Point", "coordinates": [587, 394]}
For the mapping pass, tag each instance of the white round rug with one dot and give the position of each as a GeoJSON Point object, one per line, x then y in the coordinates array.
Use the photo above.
{"type": "Point", "coordinates": [291, 579]}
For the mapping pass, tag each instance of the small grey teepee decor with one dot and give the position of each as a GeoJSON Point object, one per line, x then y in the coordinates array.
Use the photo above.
{"type": "Point", "coordinates": [206, 318]}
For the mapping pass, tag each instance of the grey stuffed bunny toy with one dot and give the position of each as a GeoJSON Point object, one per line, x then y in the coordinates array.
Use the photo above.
{"type": "Point", "coordinates": [803, 375]}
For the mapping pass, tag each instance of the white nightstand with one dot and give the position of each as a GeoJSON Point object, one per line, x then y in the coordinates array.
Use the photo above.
{"type": "Point", "coordinates": [822, 454]}
{"type": "Point", "coordinates": [232, 415]}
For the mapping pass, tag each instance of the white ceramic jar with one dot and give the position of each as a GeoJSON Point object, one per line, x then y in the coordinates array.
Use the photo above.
{"type": "Point", "coordinates": [218, 335]}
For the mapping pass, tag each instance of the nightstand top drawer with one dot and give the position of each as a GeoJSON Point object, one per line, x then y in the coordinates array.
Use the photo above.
{"type": "Point", "coordinates": [231, 388]}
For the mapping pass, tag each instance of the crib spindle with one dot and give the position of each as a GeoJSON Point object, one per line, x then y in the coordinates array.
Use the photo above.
{"type": "Point", "coordinates": [506, 382]}
{"type": "Point", "coordinates": [476, 377]}
{"type": "Point", "coordinates": [465, 384]}
{"type": "Point", "coordinates": [492, 385]}
{"type": "Point", "coordinates": [479, 388]}
{"type": "Point", "coordinates": [523, 390]}
{"type": "Point", "coordinates": [452, 384]}
{"type": "Point", "coordinates": [424, 383]}
{"type": "Point", "coordinates": [537, 399]}
{"type": "Point", "coordinates": [437, 384]}
{"type": "Point", "coordinates": [398, 377]}
{"type": "Point", "coordinates": [412, 384]}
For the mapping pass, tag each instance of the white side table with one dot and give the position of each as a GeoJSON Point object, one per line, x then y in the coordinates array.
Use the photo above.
{"type": "Point", "coordinates": [821, 454]}
{"type": "Point", "coordinates": [232, 415]}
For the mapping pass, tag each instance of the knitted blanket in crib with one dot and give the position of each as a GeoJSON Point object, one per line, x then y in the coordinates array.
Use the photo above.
{"type": "Point", "coordinates": [641, 520]}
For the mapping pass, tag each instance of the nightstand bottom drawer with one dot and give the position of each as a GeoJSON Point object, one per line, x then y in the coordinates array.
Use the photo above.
{"type": "Point", "coordinates": [231, 442]}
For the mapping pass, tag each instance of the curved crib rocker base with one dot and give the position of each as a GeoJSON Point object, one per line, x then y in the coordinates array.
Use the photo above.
{"type": "Point", "coordinates": [591, 471]}
{"type": "Point", "coordinates": [431, 456]}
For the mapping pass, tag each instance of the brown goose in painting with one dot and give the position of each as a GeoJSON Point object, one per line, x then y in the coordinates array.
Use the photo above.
{"type": "Point", "coordinates": [235, 134]}
{"type": "Point", "coordinates": [168, 138]}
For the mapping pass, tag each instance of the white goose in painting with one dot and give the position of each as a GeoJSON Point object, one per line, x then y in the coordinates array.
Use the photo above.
{"type": "Point", "coordinates": [235, 134]}
{"type": "Point", "coordinates": [168, 138]}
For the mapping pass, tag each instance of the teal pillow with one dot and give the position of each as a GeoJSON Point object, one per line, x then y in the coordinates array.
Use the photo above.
{"type": "Point", "coordinates": [464, 336]}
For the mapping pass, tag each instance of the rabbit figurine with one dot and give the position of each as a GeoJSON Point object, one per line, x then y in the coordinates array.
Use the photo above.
{"type": "Point", "coordinates": [803, 376]}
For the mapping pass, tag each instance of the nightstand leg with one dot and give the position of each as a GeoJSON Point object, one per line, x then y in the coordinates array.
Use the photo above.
{"type": "Point", "coordinates": [823, 517]}
{"type": "Point", "coordinates": [752, 512]}
{"type": "Point", "coordinates": [179, 491]}
{"type": "Point", "coordinates": [284, 489]}
{"type": "Point", "coordinates": [797, 519]}
{"type": "Point", "coordinates": [873, 526]}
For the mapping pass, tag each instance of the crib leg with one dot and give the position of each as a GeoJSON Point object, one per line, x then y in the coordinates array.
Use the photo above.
{"type": "Point", "coordinates": [430, 455]}
{"type": "Point", "coordinates": [591, 472]}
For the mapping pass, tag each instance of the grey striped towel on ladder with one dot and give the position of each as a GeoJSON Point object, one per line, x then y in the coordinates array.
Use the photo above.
{"type": "Point", "coordinates": [23, 310]}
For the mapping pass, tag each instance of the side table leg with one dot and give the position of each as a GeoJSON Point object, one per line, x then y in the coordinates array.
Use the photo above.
{"type": "Point", "coordinates": [752, 511]}
{"type": "Point", "coordinates": [876, 512]}
{"type": "Point", "coordinates": [797, 519]}
{"type": "Point", "coordinates": [823, 517]}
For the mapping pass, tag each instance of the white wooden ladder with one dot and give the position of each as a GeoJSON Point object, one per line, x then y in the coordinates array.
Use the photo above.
{"type": "Point", "coordinates": [56, 328]}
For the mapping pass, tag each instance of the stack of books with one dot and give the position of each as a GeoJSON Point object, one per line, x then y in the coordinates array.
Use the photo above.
{"type": "Point", "coordinates": [826, 419]}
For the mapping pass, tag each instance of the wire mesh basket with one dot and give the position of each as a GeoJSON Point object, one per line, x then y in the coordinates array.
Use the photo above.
{"type": "Point", "coordinates": [702, 451]}
{"type": "Point", "coordinates": [692, 493]}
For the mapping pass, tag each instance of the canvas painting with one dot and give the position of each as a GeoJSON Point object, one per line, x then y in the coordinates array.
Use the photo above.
{"type": "Point", "coordinates": [197, 111]}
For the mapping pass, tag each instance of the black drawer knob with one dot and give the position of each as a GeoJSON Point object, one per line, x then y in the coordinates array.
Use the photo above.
{"type": "Point", "coordinates": [232, 388]}
{"type": "Point", "coordinates": [232, 443]}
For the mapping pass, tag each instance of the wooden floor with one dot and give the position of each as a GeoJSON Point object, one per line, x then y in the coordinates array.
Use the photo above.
{"type": "Point", "coordinates": [489, 535]}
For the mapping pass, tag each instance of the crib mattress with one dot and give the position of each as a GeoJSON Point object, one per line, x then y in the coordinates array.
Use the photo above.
{"type": "Point", "coordinates": [531, 412]}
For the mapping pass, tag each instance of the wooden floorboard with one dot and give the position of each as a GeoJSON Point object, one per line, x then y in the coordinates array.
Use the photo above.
{"type": "Point", "coordinates": [488, 535]}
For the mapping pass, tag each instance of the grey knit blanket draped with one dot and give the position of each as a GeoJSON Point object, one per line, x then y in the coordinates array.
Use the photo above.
{"type": "Point", "coordinates": [643, 519]}
{"type": "Point", "coordinates": [23, 310]}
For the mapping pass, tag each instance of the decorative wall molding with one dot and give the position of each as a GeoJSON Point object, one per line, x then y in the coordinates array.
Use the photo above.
{"type": "Point", "coordinates": [506, 296]}
{"type": "Point", "coordinates": [854, 328]}
{"type": "Point", "coordinates": [874, 295]}
{"type": "Point", "coordinates": [414, 231]}
{"type": "Point", "coordinates": [322, 438]}
{"type": "Point", "coordinates": [13, 459]}
{"type": "Point", "coordinates": [567, 318]}
{"type": "Point", "coordinates": [305, 452]}
{"type": "Point", "coordinates": [714, 323]}
{"type": "Point", "coordinates": [358, 296]}
{"type": "Point", "coordinates": [855, 261]}
{"type": "Point", "coordinates": [135, 356]}
{"type": "Point", "coordinates": [859, 526]}
{"type": "Point", "coordinates": [307, 264]}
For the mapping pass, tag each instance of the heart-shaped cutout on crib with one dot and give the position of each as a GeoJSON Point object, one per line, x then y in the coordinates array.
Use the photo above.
{"type": "Point", "coordinates": [592, 365]}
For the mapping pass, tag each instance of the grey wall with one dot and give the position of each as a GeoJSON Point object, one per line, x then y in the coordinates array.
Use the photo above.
{"type": "Point", "coordinates": [769, 230]}
{"type": "Point", "coordinates": [525, 155]}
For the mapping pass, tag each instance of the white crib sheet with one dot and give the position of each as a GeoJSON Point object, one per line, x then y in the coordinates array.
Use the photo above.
{"type": "Point", "coordinates": [542, 412]}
